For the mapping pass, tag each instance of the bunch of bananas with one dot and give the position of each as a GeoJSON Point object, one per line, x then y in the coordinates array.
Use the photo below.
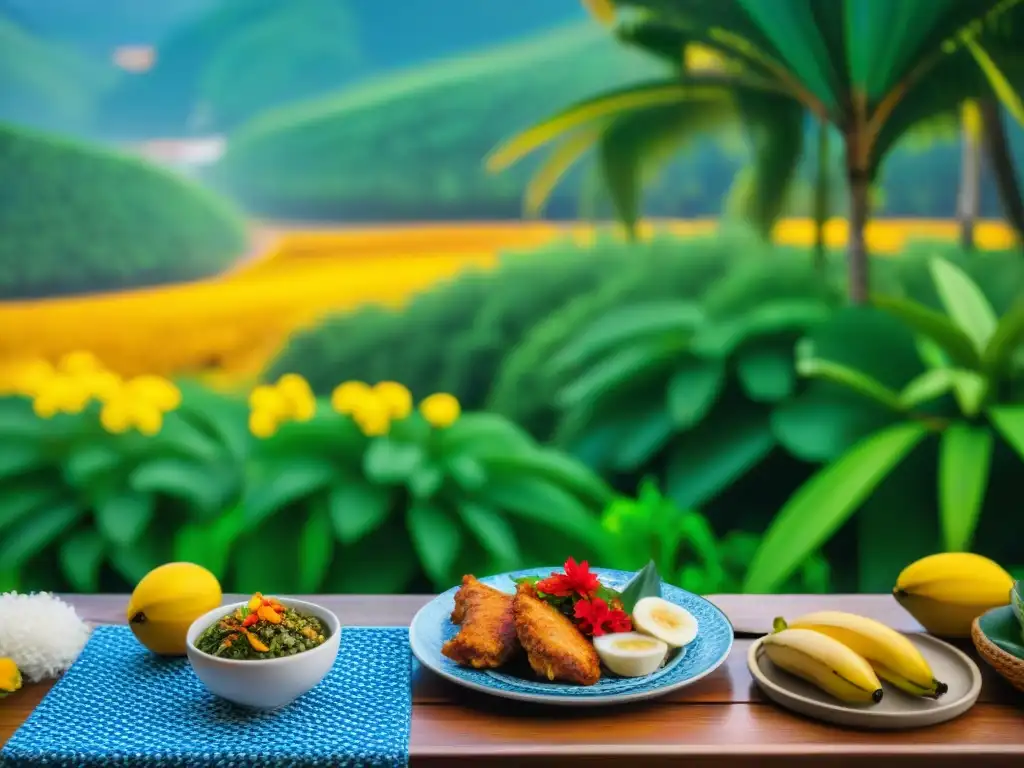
{"type": "Point", "coordinates": [847, 655]}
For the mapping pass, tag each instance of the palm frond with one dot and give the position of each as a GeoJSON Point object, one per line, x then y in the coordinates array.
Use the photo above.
{"type": "Point", "coordinates": [561, 159]}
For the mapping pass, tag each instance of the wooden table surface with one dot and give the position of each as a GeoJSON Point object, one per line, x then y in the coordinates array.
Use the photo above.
{"type": "Point", "coordinates": [722, 720]}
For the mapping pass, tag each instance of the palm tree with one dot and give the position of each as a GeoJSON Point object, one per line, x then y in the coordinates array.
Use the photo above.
{"type": "Point", "coordinates": [871, 68]}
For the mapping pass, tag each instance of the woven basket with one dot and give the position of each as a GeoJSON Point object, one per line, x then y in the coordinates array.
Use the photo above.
{"type": "Point", "coordinates": [1009, 667]}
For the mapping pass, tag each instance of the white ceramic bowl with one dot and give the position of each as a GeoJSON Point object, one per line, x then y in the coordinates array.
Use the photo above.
{"type": "Point", "coordinates": [264, 683]}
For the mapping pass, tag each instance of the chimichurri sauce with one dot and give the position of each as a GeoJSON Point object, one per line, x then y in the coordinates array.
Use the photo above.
{"type": "Point", "coordinates": [263, 629]}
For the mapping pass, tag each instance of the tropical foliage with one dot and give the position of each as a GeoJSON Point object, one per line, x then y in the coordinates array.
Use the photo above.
{"type": "Point", "coordinates": [870, 69]}
{"type": "Point", "coordinates": [104, 479]}
{"type": "Point", "coordinates": [964, 390]}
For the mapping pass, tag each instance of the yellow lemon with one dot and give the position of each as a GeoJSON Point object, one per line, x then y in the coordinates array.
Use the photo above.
{"type": "Point", "coordinates": [166, 602]}
{"type": "Point", "coordinates": [10, 677]}
{"type": "Point", "coordinates": [440, 410]}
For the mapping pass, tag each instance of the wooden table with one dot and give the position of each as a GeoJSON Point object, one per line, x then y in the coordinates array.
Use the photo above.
{"type": "Point", "coordinates": [722, 720]}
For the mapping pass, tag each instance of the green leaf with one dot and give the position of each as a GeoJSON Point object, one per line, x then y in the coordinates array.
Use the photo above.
{"type": "Point", "coordinates": [383, 563]}
{"type": "Point", "coordinates": [277, 485]}
{"type": "Point", "coordinates": [180, 436]}
{"type": "Point", "coordinates": [87, 462]}
{"type": "Point", "coordinates": [209, 487]}
{"type": "Point", "coordinates": [21, 499]}
{"type": "Point", "coordinates": [537, 501]}
{"type": "Point", "coordinates": [436, 538]}
{"type": "Point", "coordinates": [965, 456]}
{"type": "Point", "coordinates": [646, 583]}
{"type": "Point", "coordinates": [935, 326]}
{"type": "Point", "coordinates": [209, 543]}
{"type": "Point", "coordinates": [722, 339]}
{"type": "Point", "coordinates": [555, 467]}
{"type": "Point", "coordinates": [926, 387]}
{"type": "Point", "coordinates": [316, 548]}
{"type": "Point", "coordinates": [17, 419]}
{"type": "Point", "coordinates": [861, 383]}
{"type": "Point", "coordinates": [644, 439]}
{"type": "Point", "coordinates": [494, 534]}
{"type": "Point", "coordinates": [1006, 339]}
{"type": "Point", "coordinates": [1009, 96]}
{"type": "Point", "coordinates": [705, 461]}
{"type": "Point", "coordinates": [34, 534]}
{"type": "Point", "coordinates": [479, 434]}
{"type": "Point", "coordinates": [637, 322]}
{"type": "Point", "coordinates": [825, 502]}
{"type": "Point", "coordinates": [621, 369]}
{"type": "Point", "coordinates": [357, 508]}
{"type": "Point", "coordinates": [426, 481]}
{"type": "Point", "coordinates": [468, 473]}
{"type": "Point", "coordinates": [767, 374]}
{"type": "Point", "coordinates": [18, 458]}
{"type": "Point", "coordinates": [81, 555]}
{"type": "Point", "coordinates": [124, 517]}
{"type": "Point", "coordinates": [1009, 421]}
{"type": "Point", "coordinates": [964, 302]}
{"type": "Point", "coordinates": [970, 389]}
{"type": "Point", "coordinates": [693, 389]}
{"type": "Point", "coordinates": [390, 462]}
{"type": "Point", "coordinates": [820, 424]}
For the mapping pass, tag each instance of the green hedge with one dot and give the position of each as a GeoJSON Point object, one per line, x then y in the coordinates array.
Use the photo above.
{"type": "Point", "coordinates": [76, 219]}
{"type": "Point", "coordinates": [454, 337]}
{"type": "Point", "coordinates": [411, 146]}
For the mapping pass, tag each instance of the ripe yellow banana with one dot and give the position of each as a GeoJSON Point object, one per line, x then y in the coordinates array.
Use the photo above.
{"type": "Point", "coordinates": [893, 657]}
{"type": "Point", "coordinates": [824, 662]}
{"type": "Point", "coordinates": [947, 591]}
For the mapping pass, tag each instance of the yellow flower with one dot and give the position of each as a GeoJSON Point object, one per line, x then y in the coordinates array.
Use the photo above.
{"type": "Point", "coordinates": [602, 10]}
{"type": "Point", "coordinates": [396, 397]}
{"type": "Point", "coordinates": [262, 424]}
{"type": "Point", "coordinates": [25, 377]}
{"type": "Point", "coordinates": [294, 387]}
{"type": "Point", "coordinates": [46, 405]}
{"type": "Point", "coordinates": [440, 410]}
{"type": "Point", "coordinates": [10, 677]}
{"type": "Point", "coordinates": [147, 418]}
{"type": "Point", "coordinates": [268, 399]}
{"type": "Point", "coordinates": [77, 363]}
{"type": "Point", "coordinates": [304, 409]}
{"type": "Point", "coordinates": [60, 394]}
{"type": "Point", "coordinates": [155, 390]}
{"type": "Point", "coordinates": [101, 385]}
{"type": "Point", "coordinates": [371, 416]}
{"type": "Point", "coordinates": [116, 417]}
{"type": "Point", "coordinates": [350, 395]}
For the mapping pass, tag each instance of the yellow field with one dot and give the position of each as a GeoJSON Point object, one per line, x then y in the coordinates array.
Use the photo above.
{"type": "Point", "coordinates": [231, 325]}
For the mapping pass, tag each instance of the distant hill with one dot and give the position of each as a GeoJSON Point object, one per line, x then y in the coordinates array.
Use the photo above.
{"type": "Point", "coordinates": [411, 145]}
{"type": "Point", "coordinates": [46, 84]}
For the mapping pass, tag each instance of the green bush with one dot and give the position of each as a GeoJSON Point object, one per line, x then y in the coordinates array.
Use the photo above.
{"type": "Point", "coordinates": [76, 219]}
{"type": "Point", "coordinates": [453, 337]}
{"type": "Point", "coordinates": [316, 506]}
{"type": "Point", "coordinates": [411, 146]}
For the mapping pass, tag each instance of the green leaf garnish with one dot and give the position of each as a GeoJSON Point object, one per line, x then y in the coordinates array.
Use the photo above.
{"type": "Point", "coordinates": [646, 583]}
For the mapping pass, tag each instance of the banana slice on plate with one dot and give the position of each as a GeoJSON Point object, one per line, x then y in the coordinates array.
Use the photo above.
{"type": "Point", "coordinates": [673, 625]}
{"type": "Point", "coordinates": [630, 654]}
{"type": "Point", "coordinates": [825, 662]}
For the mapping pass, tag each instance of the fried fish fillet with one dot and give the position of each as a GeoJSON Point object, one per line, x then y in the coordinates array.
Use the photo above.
{"type": "Point", "coordinates": [488, 635]}
{"type": "Point", "coordinates": [555, 647]}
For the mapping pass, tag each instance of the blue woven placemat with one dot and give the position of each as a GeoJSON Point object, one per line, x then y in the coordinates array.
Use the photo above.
{"type": "Point", "coordinates": [119, 705]}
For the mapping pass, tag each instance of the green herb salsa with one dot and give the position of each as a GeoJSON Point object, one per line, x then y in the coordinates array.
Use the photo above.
{"type": "Point", "coordinates": [262, 629]}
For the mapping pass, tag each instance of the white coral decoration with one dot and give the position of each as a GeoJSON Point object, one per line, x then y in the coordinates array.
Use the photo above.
{"type": "Point", "coordinates": [42, 633]}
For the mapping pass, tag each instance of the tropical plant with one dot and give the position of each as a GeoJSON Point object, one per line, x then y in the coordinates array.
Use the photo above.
{"type": "Point", "coordinates": [686, 550]}
{"type": "Point", "coordinates": [871, 69]}
{"type": "Point", "coordinates": [955, 379]}
{"type": "Point", "coordinates": [104, 479]}
{"type": "Point", "coordinates": [689, 385]}
{"type": "Point", "coordinates": [381, 493]}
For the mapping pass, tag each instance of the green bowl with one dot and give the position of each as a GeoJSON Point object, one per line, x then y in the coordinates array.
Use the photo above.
{"type": "Point", "coordinates": [1002, 629]}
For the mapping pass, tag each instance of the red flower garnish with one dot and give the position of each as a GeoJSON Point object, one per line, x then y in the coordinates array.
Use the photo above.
{"type": "Point", "coordinates": [577, 580]}
{"type": "Point", "coordinates": [596, 618]}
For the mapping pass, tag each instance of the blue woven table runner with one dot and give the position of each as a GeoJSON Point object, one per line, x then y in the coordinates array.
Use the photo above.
{"type": "Point", "coordinates": [120, 705]}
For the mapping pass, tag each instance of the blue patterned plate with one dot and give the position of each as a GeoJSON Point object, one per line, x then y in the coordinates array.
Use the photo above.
{"type": "Point", "coordinates": [432, 627]}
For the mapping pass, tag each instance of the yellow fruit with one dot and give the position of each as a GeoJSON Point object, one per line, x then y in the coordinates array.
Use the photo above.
{"type": "Point", "coordinates": [10, 677]}
{"type": "Point", "coordinates": [166, 602]}
{"type": "Point", "coordinates": [947, 591]}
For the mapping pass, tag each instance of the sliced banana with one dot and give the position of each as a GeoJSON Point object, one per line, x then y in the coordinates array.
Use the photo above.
{"type": "Point", "coordinates": [630, 654]}
{"type": "Point", "coordinates": [666, 621]}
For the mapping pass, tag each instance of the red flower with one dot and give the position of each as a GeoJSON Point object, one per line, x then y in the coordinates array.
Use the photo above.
{"type": "Point", "coordinates": [596, 619]}
{"type": "Point", "coordinates": [577, 579]}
